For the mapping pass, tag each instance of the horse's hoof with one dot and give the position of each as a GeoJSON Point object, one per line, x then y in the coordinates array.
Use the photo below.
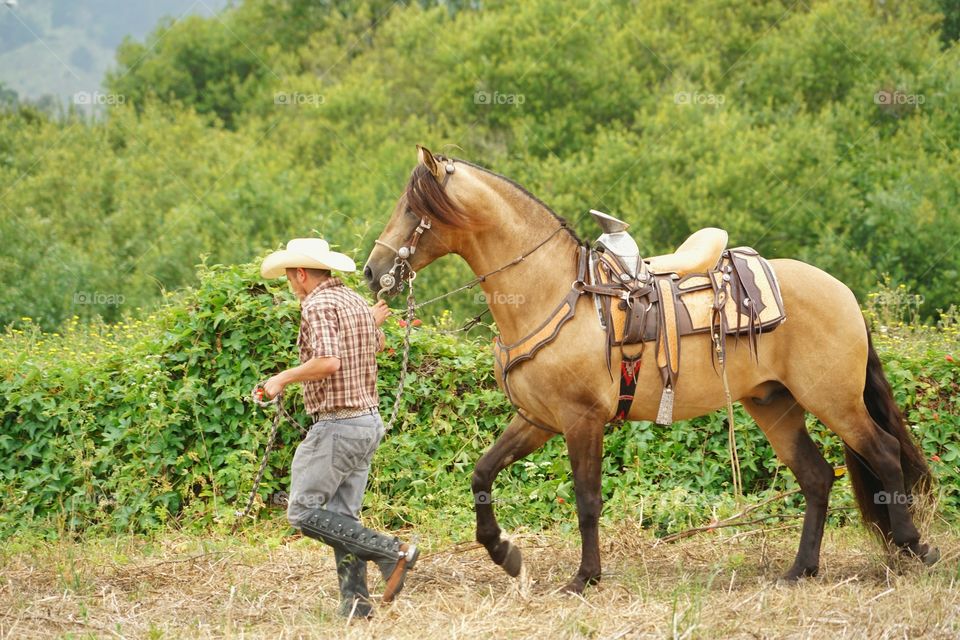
{"type": "Point", "coordinates": [923, 552]}
{"type": "Point", "coordinates": [794, 575]}
{"type": "Point", "coordinates": [578, 584]}
{"type": "Point", "coordinates": [931, 557]}
{"type": "Point", "coordinates": [513, 561]}
{"type": "Point", "coordinates": [574, 587]}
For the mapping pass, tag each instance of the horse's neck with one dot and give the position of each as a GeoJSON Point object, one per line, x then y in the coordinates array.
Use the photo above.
{"type": "Point", "coordinates": [523, 295]}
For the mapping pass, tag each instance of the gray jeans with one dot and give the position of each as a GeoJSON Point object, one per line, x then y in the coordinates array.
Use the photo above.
{"type": "Point", "coordinates": [331, 465]}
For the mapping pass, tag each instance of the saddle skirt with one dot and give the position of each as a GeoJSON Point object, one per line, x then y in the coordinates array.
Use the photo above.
{"type": "Point", "coordinates": [743, 284]}
{"type": "Point", "coordinates": [739, 296]}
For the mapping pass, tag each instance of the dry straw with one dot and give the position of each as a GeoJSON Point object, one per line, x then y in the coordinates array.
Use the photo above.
{"type": "Point", "coordinates": [719, 584]}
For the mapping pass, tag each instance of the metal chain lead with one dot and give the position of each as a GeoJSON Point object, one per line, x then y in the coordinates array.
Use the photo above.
{"type": "Point", "coordinates": [241, 515]}
{"type": "Point", "coordinates": [411, 310]}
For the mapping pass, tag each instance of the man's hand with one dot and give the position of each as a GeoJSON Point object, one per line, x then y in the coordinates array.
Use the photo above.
{"type": "Point", "coordinates": [272, 387]}
{"type": "Point", "coordinates": [380, 312]}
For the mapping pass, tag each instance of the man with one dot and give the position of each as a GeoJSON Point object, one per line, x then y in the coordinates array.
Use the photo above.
{"type": "Point", "coordinates": [339, 337]}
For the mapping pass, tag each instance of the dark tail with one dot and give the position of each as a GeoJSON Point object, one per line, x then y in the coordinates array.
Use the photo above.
{"type": "Point", "coordinates": [878, 396]}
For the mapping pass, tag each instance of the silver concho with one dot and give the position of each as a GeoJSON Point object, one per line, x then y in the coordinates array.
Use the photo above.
{"type": "Point", "coordinates": [387, 281]}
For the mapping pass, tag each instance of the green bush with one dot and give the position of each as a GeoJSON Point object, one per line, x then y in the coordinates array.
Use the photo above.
{"type": "Point", "coordinates": [146, 423]}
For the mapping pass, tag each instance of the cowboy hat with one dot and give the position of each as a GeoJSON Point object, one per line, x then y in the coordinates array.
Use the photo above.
{"type": "Point", "coordinates": [309, 253]}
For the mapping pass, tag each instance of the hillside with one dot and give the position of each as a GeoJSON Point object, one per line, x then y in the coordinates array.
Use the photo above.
{"type": "Point", "coordinates": [60, 47]}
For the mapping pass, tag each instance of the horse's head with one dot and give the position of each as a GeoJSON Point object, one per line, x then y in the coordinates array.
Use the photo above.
{"type": "Point", "coordinates": [427, 222]}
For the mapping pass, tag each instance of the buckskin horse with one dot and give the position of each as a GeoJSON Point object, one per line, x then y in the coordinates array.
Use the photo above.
{"type": "Point", "coordinates": [820, 360]}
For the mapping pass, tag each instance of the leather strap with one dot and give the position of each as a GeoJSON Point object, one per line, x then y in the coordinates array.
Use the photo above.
{"type": "Point", "coordinates": [509, 356]}
{"type": "Point", "coordinates": [424, 225]}
{"type": "Point", "coordinates": [668, 344]}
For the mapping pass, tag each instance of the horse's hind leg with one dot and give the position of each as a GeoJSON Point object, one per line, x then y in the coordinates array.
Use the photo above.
{"type": "Point", "coordinates": [881, 453]}
{"type": "Point", "coordinates": [520, 439]}
{"type": "Point", "coordinates": [783, 422]}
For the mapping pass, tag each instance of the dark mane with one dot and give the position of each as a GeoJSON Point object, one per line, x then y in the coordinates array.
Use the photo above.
{"type": "Point", "coordinates": [426, 197]}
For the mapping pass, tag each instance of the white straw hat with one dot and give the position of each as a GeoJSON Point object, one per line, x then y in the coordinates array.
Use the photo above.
{"type": "Point", "coordinates": [309, 253]}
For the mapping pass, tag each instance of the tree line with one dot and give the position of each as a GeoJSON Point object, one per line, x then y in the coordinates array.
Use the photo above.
{"type": "Point", "coordinates": [822, 131]}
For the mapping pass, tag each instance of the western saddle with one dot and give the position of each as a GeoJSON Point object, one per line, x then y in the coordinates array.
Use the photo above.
{"type": "Point", "coordinates": [703, 287]}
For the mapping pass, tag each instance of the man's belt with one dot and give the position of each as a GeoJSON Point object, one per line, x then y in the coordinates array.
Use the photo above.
{"type": "Point", "coordinates": [341, 414]}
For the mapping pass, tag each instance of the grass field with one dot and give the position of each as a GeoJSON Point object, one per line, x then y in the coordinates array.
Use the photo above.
{"type": "Point", "coordinates": [264, 584]}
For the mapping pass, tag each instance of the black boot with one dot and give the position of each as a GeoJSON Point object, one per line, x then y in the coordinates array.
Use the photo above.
{"type": "Point", "coordinates": [352, 575]}
{"type": "Point", "coordinates": [341, 531]}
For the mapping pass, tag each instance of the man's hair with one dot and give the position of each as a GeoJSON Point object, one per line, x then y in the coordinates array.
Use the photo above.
{"type": "Point", "coordinates": [313, 273]}
{"type": "Point", "coordinates": [318, 273]}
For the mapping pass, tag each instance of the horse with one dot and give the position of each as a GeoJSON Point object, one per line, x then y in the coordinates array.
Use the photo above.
{"type": "Point", "coordinates": [821, 360]}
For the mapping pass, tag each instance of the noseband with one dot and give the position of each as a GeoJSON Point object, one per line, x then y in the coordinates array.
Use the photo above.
{"type": "Point", "coordinates": [401, 269]}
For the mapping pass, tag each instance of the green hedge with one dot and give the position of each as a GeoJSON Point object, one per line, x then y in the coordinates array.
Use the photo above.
{"type": "Point", "coordinates": [144, 424]}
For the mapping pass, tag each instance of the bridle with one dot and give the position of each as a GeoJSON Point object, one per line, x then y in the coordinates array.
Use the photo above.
{"type": "Point", "coordinates": [401, 269]}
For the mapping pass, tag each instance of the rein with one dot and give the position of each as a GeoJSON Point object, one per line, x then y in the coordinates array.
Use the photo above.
{"type": "Point", "coordinates": [482, 278]}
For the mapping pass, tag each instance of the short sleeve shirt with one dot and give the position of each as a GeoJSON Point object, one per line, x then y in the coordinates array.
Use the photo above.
{"type": "Point", "coordinates": [336, 322]}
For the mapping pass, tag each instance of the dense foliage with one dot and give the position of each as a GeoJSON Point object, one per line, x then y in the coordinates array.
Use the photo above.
{"type": "Point", "coordinates": [818, 130]}
{"type": "Point", "coordinates": [147, 423]}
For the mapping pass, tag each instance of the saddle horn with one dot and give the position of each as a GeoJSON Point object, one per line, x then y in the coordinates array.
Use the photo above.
{"type": "Point", "coordinates": [617, 241]}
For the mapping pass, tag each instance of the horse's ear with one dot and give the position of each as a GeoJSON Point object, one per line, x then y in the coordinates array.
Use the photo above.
{"type": "Point", "coordinates": [426, 159]}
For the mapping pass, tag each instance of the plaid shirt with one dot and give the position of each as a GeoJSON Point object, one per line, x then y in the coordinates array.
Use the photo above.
{"type": "Point", "coordinates": [336, 322]}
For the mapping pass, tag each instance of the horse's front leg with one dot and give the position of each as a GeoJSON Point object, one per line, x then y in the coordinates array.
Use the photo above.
{"type": "Point", "coordinates": [520, 439]}
{"type": "Point", "coordinates": [585, 448]}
